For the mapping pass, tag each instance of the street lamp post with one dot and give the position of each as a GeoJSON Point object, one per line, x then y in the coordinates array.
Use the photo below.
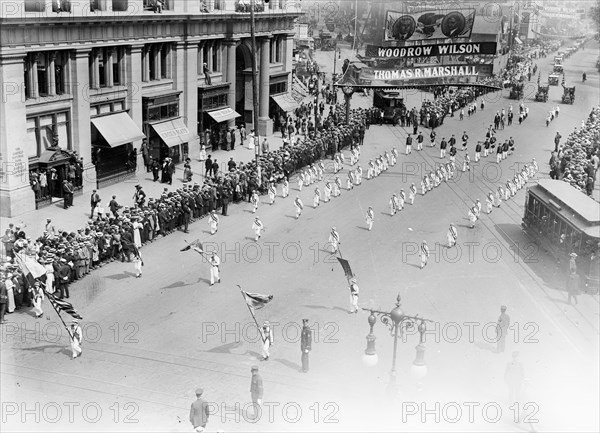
{"type": "Point", "coordinates": [348, 91]}
{"type": "Point", "coordinates": [397, 322]}
{"type": "Point", "coordinates": [256, 137]}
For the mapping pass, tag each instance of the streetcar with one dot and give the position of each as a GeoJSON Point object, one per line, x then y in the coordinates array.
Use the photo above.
{"type": "Point", "coordinates": [391, 103]}
{"type": "Point", "coordinates": [563, 221]}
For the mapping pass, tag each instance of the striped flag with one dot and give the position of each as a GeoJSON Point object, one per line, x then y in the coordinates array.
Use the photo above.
{"type": "Point", "coordinates": [256, 301]}
{"type": "Point", "coordinates": [31, 269]}
{"type": "Point", "coordinates": [346, 267]}
{"type": "Point", "coordinates": [194, 244]}
{"type": "Point", "coordinates": [60, 305]}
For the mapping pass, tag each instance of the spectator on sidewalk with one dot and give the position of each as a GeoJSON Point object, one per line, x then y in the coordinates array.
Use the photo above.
{"type": "Point", "coordinates": [199, 412]}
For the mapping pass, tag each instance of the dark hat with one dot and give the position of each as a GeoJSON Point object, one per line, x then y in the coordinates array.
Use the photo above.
{"type": "Point", "coordinates": [503, 308]}
{"type": "Point", "coordinates": [199, 391]}
{"type": "Point", "coordinates": [254, 368]}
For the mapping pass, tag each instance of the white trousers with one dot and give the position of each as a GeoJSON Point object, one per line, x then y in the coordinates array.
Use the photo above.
{"type": "Point", "coordinates": [214, 274]}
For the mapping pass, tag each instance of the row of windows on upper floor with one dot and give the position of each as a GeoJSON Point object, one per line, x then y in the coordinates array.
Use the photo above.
{"type": "Point", "coordinates": [46, 73]}
{"type": "Point", "coordinates": [154, 6]}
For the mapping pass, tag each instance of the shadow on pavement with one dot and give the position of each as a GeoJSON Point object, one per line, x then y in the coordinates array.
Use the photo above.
{"type": "Point", "coordinates": [225, 348]}
{"type": "Point", "coordinates": [289, 364]}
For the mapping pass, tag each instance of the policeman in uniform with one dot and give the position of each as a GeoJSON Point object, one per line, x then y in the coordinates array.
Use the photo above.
{"type": "Point", "coordinates": [305, 344]}
{"type": "Point", "coordinates": [408, 144]}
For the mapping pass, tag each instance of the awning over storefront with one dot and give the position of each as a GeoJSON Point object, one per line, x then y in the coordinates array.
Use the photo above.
{"type": "Point", "coordinates": [223, 114]}
{"type": "Point", "coordinates": [172, 132]}
{"type": "Point", "coordinates": [286, 102]}
{"type": "Point", "coordinates": [118, 129]}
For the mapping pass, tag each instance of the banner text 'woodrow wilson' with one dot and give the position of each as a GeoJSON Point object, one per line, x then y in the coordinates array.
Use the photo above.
{"type": "Point", "coordinates": [468, 48]}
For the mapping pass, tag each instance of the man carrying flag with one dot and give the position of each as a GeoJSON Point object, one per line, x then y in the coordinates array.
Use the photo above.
{"type": "Point", "coordinates": [213, 222]}
{"type": "Point", "coordinates": [452, 236]}
{"type": "Point", "coordinates": [76, 338]}
{"type": "Point", "coordinates": [334, 240]}
{"type": "Point", "coordinates": [256, 301]}
{"type": "Point", "coordinates": [299, 206]}
{"type": "Point", "coordinates": [267, 338]}
{"type": "Point", "coordinates": [257, 226]}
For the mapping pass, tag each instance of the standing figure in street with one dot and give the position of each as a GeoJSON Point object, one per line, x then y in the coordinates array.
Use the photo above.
{"type": "Point", "coordinates": [213, 222]}
{"type": "Point", "coordinates": [371, 170]}
{"type": "Point", "coordinates": [370, 217]}
{"type": "Point", "coordinates": [502, 329]}
{"type": "Point", "coordinates": [257, 226]}
{"type": "Point", "coordinates": [334, 240]}
{"type": "Point", "coordinates": [337, 186]}
{"type": "Point", "coordinates": [285, 187]}
{"type": "Point", "coordinates": [408, 145]}
{"type": "Point", "coordinates": [272, 192]}
{"type": "Point", "coordinates": [489, 202]}
{"type": "Point", "coordinates": [254, 200]}
{"type": "Point", "coordinates": [514, 376]}
{"type": "Point", "coordinates": [305, 344]}
{"type": "Point", "coordinates": [573, 283]}
{"type": "Point", "coordinates": [401, 199]}
{"type": "Point", "coordinates": [215, 262]}
{"type": "Point", "coordinates": [465, 139]}
{"type": "Point", "coordinates": [424, 253]}
{"type": "Point", "coordinates": [420, 141]}
{"type": "Point", "coordinates": [412, 192]}
{"type": "Point", "coordinates": [199, 412]}
{"type": "Point", "coordinates": [478, 151]}
{"type": "Point", "coordinates": [358, 175]}
{"type": "Point", "coordinates": [256, 391]}
{"type": "Point", "coordinates": [350, 181]}
{"type": "Point", "coordinates": [466, 163]}
{"type": "Point", "coordinates": [354, 291]}
{"type": "Point", "coordinates": [299, 206]}
{"type": "Point", "coordinates": [267, 338]}
{"type": "Point", "coordinates": [452, 235]}
{"type": "Point", "coordinates": [317, 197]}
{"type": "Point", "coordinates": [394, 205]}
{"type": "Point", "coordinates": [38, 297]}
{"type": "Point", "coordinates": [423, 186]}
{"type": "Point", "coordinates": [76, 338]}
{"type": "Point", "coordinates": [300, 180]}
{"type": "Point", "coordinates": [327, 191]}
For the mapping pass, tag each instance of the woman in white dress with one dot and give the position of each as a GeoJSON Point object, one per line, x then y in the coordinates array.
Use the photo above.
{"type": "Point", "coordinates": [49, 275]}
{"type": "Point", "coordinates": [137, 239]}
{"type": "Point", "coordinates": [202, 153]}
{"type": "Point", "coordinates": [10, 291]}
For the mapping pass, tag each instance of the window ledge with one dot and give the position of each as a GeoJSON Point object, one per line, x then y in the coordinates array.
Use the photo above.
{"type": "Point", "coordinates": [48, 99]}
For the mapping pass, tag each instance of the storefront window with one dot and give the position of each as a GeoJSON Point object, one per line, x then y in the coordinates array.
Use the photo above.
{"type": "Point", "coordinates": [47, 130]}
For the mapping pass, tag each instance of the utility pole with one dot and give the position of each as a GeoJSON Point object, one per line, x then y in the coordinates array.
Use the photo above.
{"type": "Point", "coordinates": [255, 95]}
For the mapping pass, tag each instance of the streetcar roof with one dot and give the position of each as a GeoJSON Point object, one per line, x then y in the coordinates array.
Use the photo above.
{"type": "Point", "coordinates": [574, 205]}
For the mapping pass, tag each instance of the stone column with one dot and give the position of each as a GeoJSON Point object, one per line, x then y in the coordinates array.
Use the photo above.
{"type": "Point", "coordinates": [265, 125]}
{"type": "Point", "coordinates": [80, 116]}
{"type": "Point", "coordinates": [16, 195]}
{"type": "Point", "coordinates": [185, 57]}
{"type": "Point", "coordinates": [95, 70]}
{"type": "Point", "coordinates": [108, 67]}
{"type": "Point", "coordinates": [133, 80]}
{"type": "Point", "coordinates": [231, 71]}
{"type": "Point", "coordinates": [51, 73]}
{"type": "Point", "coordinates": [157, 68]}
{"type": "Point", "coordinates": [35, 89]}
{"type": "Point", "coordinates": [146, 59]}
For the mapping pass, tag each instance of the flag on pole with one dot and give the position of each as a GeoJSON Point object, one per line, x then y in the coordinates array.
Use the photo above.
{"type": "Point", "coordinates": [60, 305]}
{"type": "Point", "coordinates": [31, 269]}
{"type": "Point", "coordinates": [346, 266]}
{"type": "Point", "coordinates": [195, 244]}
{"type": "Point", "coordinates": [256, 301]}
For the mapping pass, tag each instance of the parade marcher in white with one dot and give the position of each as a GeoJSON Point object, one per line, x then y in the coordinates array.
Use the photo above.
{"type": "Point", "coordinates": [478, 151]}
{"type": "Point", "coordinates": [359, 172]}
{"type": "Point", "coordinates": [423, 186]}
{"type": "Point", "coordinates": [267, 338]}
{"type": "Point", "coordinates": [38, 297]}
{"type": "Point", "coordinates": [76, 338]}
{"type": "Point", "coordinates": [254, 200]}
{"type": "Point", "coordinates": [408, 145]}
{"type": "Point", "coordinates": [334, 240]}
{"type": "Point", "coordinates": [337, 186]}
{"type": "Point", "coordinates": [472, 216]}
{"type": "Point", "coordinates": [272, 192]}
{"type": "Point", "coordinates": [452, 236]}
{"type": "Point", "coordinates": [300, 180]}
{"type": "Point", "coordinates": [489, 202]}
{"type": "Point", "coordinates": [354, 292]}
{"type": "Point", "coordinates": [299, 206]}
{"type": "Point", "coordinates": [478, 206]}
{"type": "Point", "coordinates": [336, 164]}
{"type": "Point", "coordinates": [424, 253]}
{"type": "Point", "coordinates": [317, 197]}
{"type": "Point", "coordinates": [370, 170]}
{"type": "Point", "coordinates": [412, 193]}
{"type": "Point", "coordinates": [213, 222]}
{"type": "Point", "coordinates": [215, 262]}
{"type": "Point", "coordinates": [138, 262]}
{"type": "Point", "coordinates": [370, 217]}
{"type": "Point", "coordinates": [285, 188]}
{"type": "Point", "coordinates": [327, 191]}
{"type": "Point", "coordinates": [350, 181]}
{"type": "Point", "coordinates": [394, 204]}
{"type": "Point", "coordinates": [466, 163]}
{"type": "Point", "coordinates": [321, 170]}
{"type": "Point", "coordinates": [401, 199]}
{"type": "Point", "coordinates": [257, 226]}
{"type": "Point", "coordinates": [394, 156]}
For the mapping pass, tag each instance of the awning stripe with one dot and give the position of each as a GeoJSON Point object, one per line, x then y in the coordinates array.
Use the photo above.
{"type": "Point", "coordinates": [118, 129]}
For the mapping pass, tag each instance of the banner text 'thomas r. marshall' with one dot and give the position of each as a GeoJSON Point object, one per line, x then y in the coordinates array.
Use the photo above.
{"type": "Point", "coordinates": [432, 72]}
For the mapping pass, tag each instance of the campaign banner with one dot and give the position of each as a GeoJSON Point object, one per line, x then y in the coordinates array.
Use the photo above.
{"type": "Point", "coordinates": [467, 48]}
{"type": "Point", "coordinates": [433, 75]}
{"type": "Point", "coordinates": [428, 25]}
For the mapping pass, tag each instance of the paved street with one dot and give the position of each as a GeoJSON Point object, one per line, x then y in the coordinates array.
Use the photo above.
{"type": "Point", "coordinates": [150, 342]}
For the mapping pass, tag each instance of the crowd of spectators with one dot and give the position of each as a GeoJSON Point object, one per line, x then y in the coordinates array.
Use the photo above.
{"type": "Point", "coordinates": [576, 162]}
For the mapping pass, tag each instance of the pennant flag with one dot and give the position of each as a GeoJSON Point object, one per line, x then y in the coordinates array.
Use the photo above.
{"type": "Point", "coordinates": [30, 267]}
{"type": "Point", "coordinates": [346, 266]}
{"type": "Point", "coordinates": [256, 301]}
{"type": "Point", "coordinates": [60, 305]}
{"type": "Point", "coordinates": [191, 245]}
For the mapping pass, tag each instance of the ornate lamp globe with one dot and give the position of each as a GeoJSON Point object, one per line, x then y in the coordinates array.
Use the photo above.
{"type": "Point", "coordinates": [370, 357]}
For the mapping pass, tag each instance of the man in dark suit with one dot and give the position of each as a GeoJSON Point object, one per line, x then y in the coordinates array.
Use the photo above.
{"type": "Point", "coordinates": [256, 390]}
{"type": "Point", "coordinates": [199, 412]}
{"type": "Point", "coordinates": [114, 206]}
{"type": "Point", "coordinates": [68, 193]}
{"type": "Point", "coordinates": [94, 200]}
{"type": "Point", "coordinates": [208, 166]}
